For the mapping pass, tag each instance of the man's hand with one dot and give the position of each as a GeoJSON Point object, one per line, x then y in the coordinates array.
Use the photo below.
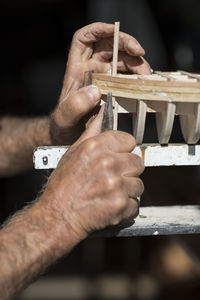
{"type": "Point", "coordinates": [95, 185]}
{"type": "Point", "coordinates": [69, 118]}
{"type": "Point", "coordinates": [96, 182]}
{"type": "Point", "coordinates": [91, 49]}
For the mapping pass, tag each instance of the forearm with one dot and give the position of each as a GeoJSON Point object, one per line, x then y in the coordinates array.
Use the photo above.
{"type": "Point", "coordinates": [29, 243]}
{"type": "Point", "coordinates": [18, 138]}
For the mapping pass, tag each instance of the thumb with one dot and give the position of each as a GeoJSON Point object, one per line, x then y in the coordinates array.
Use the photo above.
{"type": "Point", "coordinates": [78, 104]}
{"type": "Point", "coordinates": [93, 129]}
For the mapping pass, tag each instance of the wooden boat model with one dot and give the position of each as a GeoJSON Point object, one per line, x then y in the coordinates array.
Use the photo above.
{"type": "Point", "coordinates": [164, 93]}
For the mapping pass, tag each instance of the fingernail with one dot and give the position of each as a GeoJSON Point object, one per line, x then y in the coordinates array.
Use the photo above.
{"type": "Point", "coordinates": [94, 93]}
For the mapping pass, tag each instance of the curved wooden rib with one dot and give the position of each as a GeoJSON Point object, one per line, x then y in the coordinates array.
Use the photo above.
{"type": "Point", "coordinates": [164, 122]}
{"type": "Point", "coordinates": [139, 119]}
{"type": "Point", "coordinates": [190, 125]}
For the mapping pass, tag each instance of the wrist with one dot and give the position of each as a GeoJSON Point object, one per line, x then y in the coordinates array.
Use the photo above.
{"type": "Point", "coordinates": [41, 132]}
{"type": "Point", "coordinates": [56, 227]}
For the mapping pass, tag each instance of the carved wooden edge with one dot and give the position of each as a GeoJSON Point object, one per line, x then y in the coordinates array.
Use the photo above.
{"type": "Point", "coordinates": [165, 98]}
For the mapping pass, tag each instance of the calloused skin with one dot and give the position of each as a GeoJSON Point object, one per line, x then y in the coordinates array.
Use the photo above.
{"type": "Point", "coordinates": [73, 205]}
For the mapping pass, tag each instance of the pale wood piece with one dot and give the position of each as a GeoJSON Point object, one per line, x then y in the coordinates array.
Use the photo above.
{"type": "Point", "coordinates": [138, 121]}
{"type": "Point", "coordinates": [164, 122]}
{"type": "Point", "coordinates": [178, 76]}
{"type": "Point", "coordinates": [179, 95]}
{"type": "Point", "coordinates": [154, 90]}
{"type": "Point", "coordinates": [115, 49]}
{"type": "Point", "coordinates": [190, 125]}
{"type": "Point", "coordinates": [197, 76]}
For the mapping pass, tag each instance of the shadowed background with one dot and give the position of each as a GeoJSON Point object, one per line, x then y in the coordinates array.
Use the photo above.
{"type": "Point", "coordinates": [35, 40]}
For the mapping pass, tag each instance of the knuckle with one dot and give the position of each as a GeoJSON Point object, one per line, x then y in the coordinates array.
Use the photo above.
{"type": "Point", "coordinates": [107, 163]}
{"type": "Point", "coordinates": [120, 203]}
{"type": "Point", "coordinates": [113, 183]}
{"type": "Point", "coordinates": [89, 146]}
{"type": "Point", "coordinates": [77, 33]}
{"type": "Point", "coordinates": [76, 101]}
{"type": "Point", "coordinates": [98, 27]}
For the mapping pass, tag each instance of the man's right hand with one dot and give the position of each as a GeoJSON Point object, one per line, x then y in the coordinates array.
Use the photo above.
{"type": "Point", "coordinates": [96, 183]}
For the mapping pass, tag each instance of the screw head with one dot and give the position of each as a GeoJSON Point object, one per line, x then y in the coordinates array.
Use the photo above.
{"type": "Point", "coordinates": [45, 160]}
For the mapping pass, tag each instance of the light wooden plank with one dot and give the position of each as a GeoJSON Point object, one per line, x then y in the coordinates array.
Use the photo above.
{"type": "Point", "coordinates": [129, 79]}
{"type": "Point", "coordinates": [138, 121]}
{"type": "Point", "coordinates": [115, 49]}
{"type": "Point", "coordinates": [164, 122]}
{"type": "Point", "coordinates": [192, 75]}
{"type": "Point", "coordinates": [166, 97]}
{"type": "Point", "coordinates": [190, 125]}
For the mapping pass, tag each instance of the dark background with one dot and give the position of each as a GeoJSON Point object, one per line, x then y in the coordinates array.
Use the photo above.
{"type": "Point", "coordinates": [35, 38]}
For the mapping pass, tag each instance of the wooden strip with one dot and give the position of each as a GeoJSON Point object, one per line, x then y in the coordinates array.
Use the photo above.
{"type": "Point", "coordinates": [165, 97]}
{"type": "Point", "coordinates": [138, 121]}
{"type": "Point", "coordinates": [177, 76]}
{"type": "Point", "coordinates": [115, 49]}
{"type": "Point", "coordinates": [107, 79]}
{"type": "Point", "coordinates": [197, 76]}
{"type": "Point", "coordinates": [163, 75]}
{"type": "Point", "coordinates": [190, 125]}
{"type": "Point", "coordinates": [164, 123]}
{"type": "Point", "coordinates": [141, 86]}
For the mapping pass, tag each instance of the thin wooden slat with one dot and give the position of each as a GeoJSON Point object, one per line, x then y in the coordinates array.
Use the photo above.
{"type": "Point", "coordinates": [178, 76]}
{"type": "Point", "coordinates": [164, 122]}
{"type": "Point", "coordinates": [175, 91]}
{"type": "Point", "coordinates": [138, 120]}
{"type": "Point", "coordinates": [192, 75]}
{"type": "Point", "coordinates": [190, 125]}
{"type": "Point", "coordinates": [131, 79]}
{"type": "Point", "coordinates": [162, 96]}
{"type": "Point", "coordinates": [115, 49]}
{"type": "Point", "coordinates": [147, 86]}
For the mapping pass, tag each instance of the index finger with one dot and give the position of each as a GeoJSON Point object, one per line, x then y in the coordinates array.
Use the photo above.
{"type": "Point", "coordinates": [96, 31]}
{"type": "Point", "coordinates": [116, 141]}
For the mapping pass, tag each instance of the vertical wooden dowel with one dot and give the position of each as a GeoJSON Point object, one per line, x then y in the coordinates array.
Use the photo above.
{"type": "Point", "coordinates": [115, 49]}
